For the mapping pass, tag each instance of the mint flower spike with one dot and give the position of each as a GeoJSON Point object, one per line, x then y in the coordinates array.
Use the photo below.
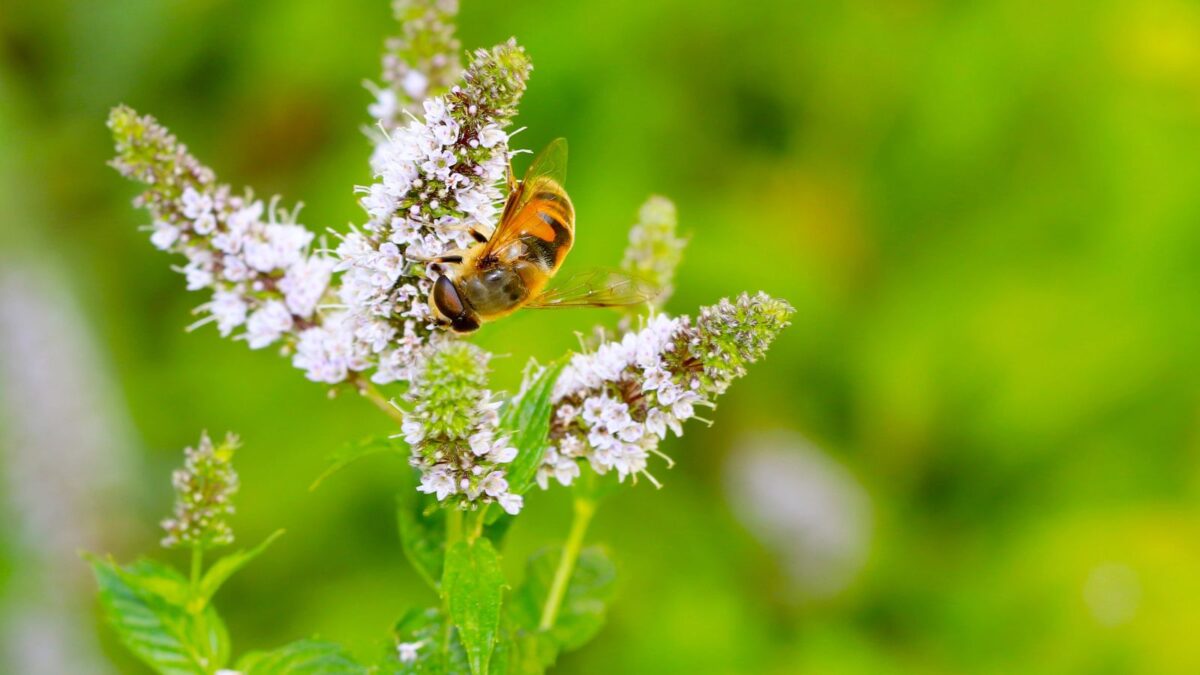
{"type": "Point", "coordinates": [453, 425]}
{"type": "Point", "coordinates": [438, 178]}
{"type": "Point", "coordinates": [654, 250]}
{"type": "Point", "coordinates": [259, 270]}
{"type": "Point", "coordinates": [204, 490]}
{"type": "Point", "coordinates": [614, 405]}
{"type": "Point", "coordinates": [422, 61]}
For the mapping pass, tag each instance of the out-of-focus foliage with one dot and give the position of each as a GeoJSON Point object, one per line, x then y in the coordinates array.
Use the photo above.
{"type": "Point", "coordinates": [986, 214]}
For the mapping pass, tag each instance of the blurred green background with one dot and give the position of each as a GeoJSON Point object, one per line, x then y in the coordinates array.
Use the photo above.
{"type": "Point", "coordinates": [985, 213]}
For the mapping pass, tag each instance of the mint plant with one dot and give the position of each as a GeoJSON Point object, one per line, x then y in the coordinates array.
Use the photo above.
{"type": "Point", "coordinates": [353, 315]}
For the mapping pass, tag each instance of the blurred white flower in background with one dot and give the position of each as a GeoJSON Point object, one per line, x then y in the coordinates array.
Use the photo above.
{"type": "Point", "coordinates": [66, 452]}
{"type": "Point", "coordinates": [1112, 593]}
{"type": "Point", "coordinates": [805, 507]}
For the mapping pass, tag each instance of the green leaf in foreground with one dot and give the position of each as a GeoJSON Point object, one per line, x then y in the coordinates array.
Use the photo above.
{"type": "Point", "coordinates": [144, 602]}
{"type": "Point", "coordinates": [422, 531]}
{"type": "Point", "coordinates": [224, 568]}
{"type": "Point", "coordinates": [416, 648]}
{"type": "Point", "coordinates": [527, 421]}
{"type": "Point", "coordinates": [306, 657]}
{"type": "Point", "coordinates": [523, 652]}
{"type": "Point", "coordinates": [473, 585]}
{"type": "Point", "coordinates": [584, 604]}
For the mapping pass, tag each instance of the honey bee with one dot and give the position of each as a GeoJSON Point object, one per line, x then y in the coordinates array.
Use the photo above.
{"type": "Point", "coordinates": [512, 268]}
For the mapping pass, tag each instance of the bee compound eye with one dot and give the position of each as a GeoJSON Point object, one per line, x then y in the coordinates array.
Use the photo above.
{"type": "Point", "coordinates": [446, 297]}
{"type": "Point", "coordinates": [464, 324]}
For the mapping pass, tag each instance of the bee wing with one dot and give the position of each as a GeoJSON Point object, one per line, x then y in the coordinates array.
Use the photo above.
{"type": "Point", "coordinates": [550, 165]}
{"type": "Point", "coordinates": [596, 288]}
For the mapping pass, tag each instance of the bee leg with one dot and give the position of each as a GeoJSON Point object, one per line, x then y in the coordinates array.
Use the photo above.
{"type": "Point", "coordinates": [454, 258]}
{"type": "Point", "coordinates": [476, 234]}
{"type": "Point", "coordinates": [512, 179]}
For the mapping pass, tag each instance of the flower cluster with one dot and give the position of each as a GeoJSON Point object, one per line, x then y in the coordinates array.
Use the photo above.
{"type": "Point", "coordinates": [452, 428]}
{"type": "Point", "coordinates": [438, 179]}
{"type": "Point", "coordinates": [654, 250]}
{"type": "Point", "coordinates": [255, 260]}
{"type": "Point", "coordinates": [204, 488]}
{"type": "Point", "coordinates": [419, 63]}
{"type": "Point", "coordinates": [614, 405]}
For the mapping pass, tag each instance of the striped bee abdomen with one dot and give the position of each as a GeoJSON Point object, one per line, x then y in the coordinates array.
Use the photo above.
{"type": "Point", "coordinates": [548, 230]}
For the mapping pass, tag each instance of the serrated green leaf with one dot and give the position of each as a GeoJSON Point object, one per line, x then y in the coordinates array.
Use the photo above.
{"type": "Point", "coordinates": [527, 421]}
{"type": "Point", "coordinates": [225, 567]}
{"type": "Point", "coordinates": [426, 633]}
{"type": "Point", "coordinates": [422, 532]}
{"type": "Point", "coordinates": [145, 605]}
{"type": "Point", "coordinates": [311, 657]}
{"type": "Point", "coordinates": [474, 586]}
{"type": "Point", "coordinates": [522, 652]}
{"type": "Point", "coordinates": [352, 452]}
{"type": "Point", "coordinates": [584, 604]}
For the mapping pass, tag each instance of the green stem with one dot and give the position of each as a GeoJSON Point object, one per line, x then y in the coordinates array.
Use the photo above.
{"type": "Point", "coordinates": [197, 566]}
{"type": "Point", "coordinates": [454, 526]}
{"type": "Point", "coordinates": [372, 393]}
{"type": "Point", "coordinates": [476, 521]}
{"type": "Point", "coordinates": [454, 534]}
{"type": "Point", "coordinates": [584, 509]}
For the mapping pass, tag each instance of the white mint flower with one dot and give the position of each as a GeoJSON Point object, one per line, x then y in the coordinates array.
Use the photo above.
{"type": "Point", "coordinates": [304, 284]}
{"type": "Point", "coordinates": [415, 84]}
{"type": "Point", "coordinates": [204, 490]}
{"type": "Point", "coordinates": [438, 481]}
{"type": "Point", "coordinates": [229, 310]}
{"type": "Point", "coordinates": [385, 107]}
{"type": "Point", "coordinates": [422, 61]}
{"type": "Point", "coordinates": [414, 431]}
{"type": "Point", "coordinates": [481, 443]}
{"type": "Point", "coordinates": [260, 273]}
{"type": "Point", "coordinates": [195, 204]}
{"type": "Point", "coordinates": [407, 651]}
{"type": "Point", "coordinates": [451, 424]}
{"type": "Point", "coordinates": [165, 235]}
{"type": "Point", "coordinates": [511, 503]}
{"type": "Point", "coordinates": [614, 405]}
{"type": "Point", "coordinates": [267, 324]}
{"type": "Point", "coordinates": [494, 485]}
{"type": "Point", "coordinates": [502, 453]}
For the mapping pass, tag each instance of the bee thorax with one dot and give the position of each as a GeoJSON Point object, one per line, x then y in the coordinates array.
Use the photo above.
{"type": "Point", "coordinates": [494, 291]}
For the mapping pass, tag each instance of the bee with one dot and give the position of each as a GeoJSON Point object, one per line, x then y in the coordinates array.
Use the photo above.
{"type": "Point", "coordinates": [512, 268]}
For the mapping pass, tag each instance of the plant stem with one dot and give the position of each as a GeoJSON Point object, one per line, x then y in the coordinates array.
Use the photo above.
{"type": "Point", "coordinates": [454, 526]}
{"type": "Point", "coordinates": [372, 393]}
{"type": "Point", "coordinates": [584, 509]}
{"type": "Point", "coordinates": [474, 524]}
{"type": "Point", "coordinates": [197, 565]}
{"type": "Point", "coordinates": [454, 534]}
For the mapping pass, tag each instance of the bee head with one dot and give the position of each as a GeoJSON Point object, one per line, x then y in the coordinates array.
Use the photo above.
{"type": "Point", "coordinates": [450, 307]}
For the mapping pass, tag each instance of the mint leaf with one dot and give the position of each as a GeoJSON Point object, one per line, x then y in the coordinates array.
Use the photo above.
{"type": "Point", "coordinates": [422, 531]}
{"type": "Point", "coordinates": [306, 656]}
{"type": "Point", "coordinates": [473, 586]}
{"type": "Point", "coordinates": [584, 604]}
{"type": "Point", "coordinates": [527, 421]}
{"type": "Point", "coordinates": [144, 603]}
{"type": "Point", "coordinates": [424, 645]}
{"type": "Point", "coordinates": [523, 652]}
{"type": "Point", "coordinates": [224, 568]}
